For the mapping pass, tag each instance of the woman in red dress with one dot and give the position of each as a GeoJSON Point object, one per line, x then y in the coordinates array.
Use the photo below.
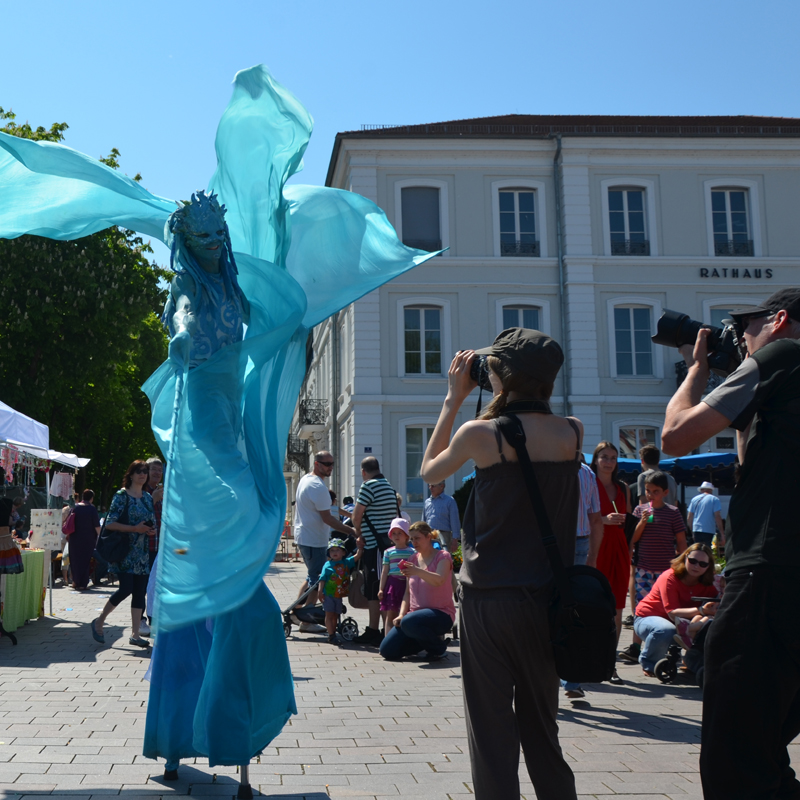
{"type": "Point", "coordinates": [614, 558]}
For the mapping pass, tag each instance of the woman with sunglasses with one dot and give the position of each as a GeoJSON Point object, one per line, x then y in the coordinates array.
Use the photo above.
{"type": "Point", "coordinates": [131, 512]}
{"type": "Point", "coordinates": [691, 576]}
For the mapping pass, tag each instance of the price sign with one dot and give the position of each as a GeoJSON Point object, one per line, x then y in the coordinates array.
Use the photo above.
{"type": "Point", "coordinates": [46, 528]}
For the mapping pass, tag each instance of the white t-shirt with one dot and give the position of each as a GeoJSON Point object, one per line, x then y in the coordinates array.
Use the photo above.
{"type": "Point", "coordinates": [312, 497]}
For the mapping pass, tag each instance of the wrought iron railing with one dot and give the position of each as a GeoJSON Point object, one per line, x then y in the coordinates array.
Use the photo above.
{"type": "Point", "coordinates": [530, 249]}
{"type": "Point", "coordinates": [424, 244]}
{"type": "Point", "coordinates": [629, 248]}
{"type": "Point", "coordinates": [312, 412]}
{"type": "Point", "coordinates": [731, 248]}
{"type": "Point", "coordinates": [297, 452]}
{"type": "Point", "coordinates": [681, 371]}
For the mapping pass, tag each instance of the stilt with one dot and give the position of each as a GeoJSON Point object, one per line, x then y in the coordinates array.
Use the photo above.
{"type": "Point", "coordinates": [245, 790]}
{"type": "Point", "coordinates": [4, 632]}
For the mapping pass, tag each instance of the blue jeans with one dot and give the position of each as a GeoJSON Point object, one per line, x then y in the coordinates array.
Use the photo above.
{"type": "Point", "coordinates": [581, 554]}
{"type": "Point", "coordinates": [419, 630]}
{"type": "Point", "coordinates": [581, 549]}
{"type": "Point", "coordinates": [656, 634]}
{"type": "Point", "coordinates": [314, 558]}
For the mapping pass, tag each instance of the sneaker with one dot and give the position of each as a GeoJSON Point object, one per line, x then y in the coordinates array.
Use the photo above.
{"type": "Point", "coordinates": [332, 638]}
{"type": "Point", "coordinates": [630, 653]}
{"type": "Point", "coordinates": [311, 627]}
{"type": "Point", "coordinates": [371, 637]}
{"type": "Point", "coordinates": [575, 694]}
{"type": "Point", "coordinates": [628, 621]}
{"type": "Point", "coordinates": [139, 642]}
{"type": "Point", "coordinates": [144, 629]}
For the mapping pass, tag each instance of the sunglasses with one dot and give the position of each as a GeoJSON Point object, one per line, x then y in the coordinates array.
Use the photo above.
{"type": "Point", "coordinates": [326, 463]}
{"type": "Point", "coordinates": [141, 471]}
{"type": "Point", "coordinates": [698, 563]}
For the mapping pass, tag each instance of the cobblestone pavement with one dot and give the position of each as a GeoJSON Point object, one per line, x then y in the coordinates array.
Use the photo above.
{"type": "Point", "coordinates": [72, 719]}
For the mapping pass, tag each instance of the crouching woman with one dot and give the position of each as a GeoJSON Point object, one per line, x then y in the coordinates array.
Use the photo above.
{"type": "Point", "coordinates": [427, 611]}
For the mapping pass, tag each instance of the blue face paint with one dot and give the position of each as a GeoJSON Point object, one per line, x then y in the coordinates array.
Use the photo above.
{"type": "Point", "coordinates": [202, 223]}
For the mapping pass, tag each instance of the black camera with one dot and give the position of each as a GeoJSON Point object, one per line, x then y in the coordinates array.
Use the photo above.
{"type": "Point", "coordinates": [479, 372]}
{"type": "Point", "coordinates": [726, 346]}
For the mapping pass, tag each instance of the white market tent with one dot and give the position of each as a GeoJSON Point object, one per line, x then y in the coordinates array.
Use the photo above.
{"type": "Point", "coordinates": [30, 436]}
{"type": "Point", "coordinates": [19, 428]}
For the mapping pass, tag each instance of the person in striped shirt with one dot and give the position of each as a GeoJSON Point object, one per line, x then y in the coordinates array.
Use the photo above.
{"type": "Point", "coordinates": [376, 507]}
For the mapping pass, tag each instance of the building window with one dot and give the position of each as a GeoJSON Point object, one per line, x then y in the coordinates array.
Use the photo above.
{"type": "Point", "coordinates": [730, 222]}
{"type": "Point", "coordinates": [632, 438]}
{"type": "Point", "coordinates": [518, 223]}
{"type": "Point", "coordinates": [717, 315]}
{"type": "Point", "coordinates": [632, 331]}
{"type": "Point", "coordinates": [416, 441]}
{"type": "Point", "coordinates": [521, 317]}
{"type": "Point", "coordinates": [725, 443]}
{"type": "Point", "coordinates": [626, 222]}
{"type": "Point", "coordinates": [423, 340]}
{"type": "Point", "coordinates": [421, 217]}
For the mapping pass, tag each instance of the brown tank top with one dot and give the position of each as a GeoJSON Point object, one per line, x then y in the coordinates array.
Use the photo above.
{"type": "Point", "coordinates": [502, 543]}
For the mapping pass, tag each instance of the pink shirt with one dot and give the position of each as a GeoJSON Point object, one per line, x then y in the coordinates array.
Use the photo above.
{"type": "Point", "coordinates": [422, 594]}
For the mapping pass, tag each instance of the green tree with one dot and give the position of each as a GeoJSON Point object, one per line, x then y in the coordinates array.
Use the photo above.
{"type": "Point", "coordinates": [79, 334]}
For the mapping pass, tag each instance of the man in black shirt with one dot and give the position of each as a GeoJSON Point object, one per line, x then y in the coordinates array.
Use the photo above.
{"type": "Point", "coordinates": [751, 699]}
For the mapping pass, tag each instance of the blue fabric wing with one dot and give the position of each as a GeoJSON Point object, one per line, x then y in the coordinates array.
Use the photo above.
{"type": "Point", "coordinates": [260, 142]}
{"type": "Point", "coordinates": [51, 190]}
{"type": "Point", "coordinates": [342, 247]}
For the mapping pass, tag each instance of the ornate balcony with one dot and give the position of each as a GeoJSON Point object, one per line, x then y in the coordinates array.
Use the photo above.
{"type": "Point", "coordinates": [731, 248]}
{"type": "Point", "coordinates": [296, 454]}
{"type": "Point", "coordinates": [522, 249]}
{"type": "Point", "coordinates": [311, 418]}
{"type": "Point", "coordinates": [630, 248]}
{"type": "Point", "coordinates": [681, 371]}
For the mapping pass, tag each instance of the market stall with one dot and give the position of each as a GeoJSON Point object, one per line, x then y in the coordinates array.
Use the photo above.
{"type": "Point", "coordinates": [24, 451]}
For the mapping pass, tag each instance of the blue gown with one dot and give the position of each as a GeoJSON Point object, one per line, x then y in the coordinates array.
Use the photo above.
{"type": "Point", "coordinates": [302, 252]}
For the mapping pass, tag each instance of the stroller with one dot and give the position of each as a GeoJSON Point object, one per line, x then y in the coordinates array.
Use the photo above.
{"type": "Point", "coordinates": [667, 668]}
{"type": "Point", "coordinates": [347, 627]}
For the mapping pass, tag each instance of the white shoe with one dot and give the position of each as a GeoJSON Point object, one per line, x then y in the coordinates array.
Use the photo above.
{"type": "Point", "coordinates": [144, 629]}
{"type": "Point", "coordinates": [310, 627]}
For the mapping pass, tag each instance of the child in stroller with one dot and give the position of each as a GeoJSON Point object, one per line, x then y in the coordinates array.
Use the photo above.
{"type": "Point", "coordinates": [346, 627]}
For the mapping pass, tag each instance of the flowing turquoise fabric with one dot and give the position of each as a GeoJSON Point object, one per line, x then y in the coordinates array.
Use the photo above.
{"type": "Point", "coordinates": [303, 253]}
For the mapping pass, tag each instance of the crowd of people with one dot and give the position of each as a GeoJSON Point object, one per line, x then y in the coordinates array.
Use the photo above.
{"type": "Point", "coordinates": [636, 536]}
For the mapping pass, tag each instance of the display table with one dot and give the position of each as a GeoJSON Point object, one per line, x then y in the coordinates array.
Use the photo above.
{"type": "Point", "coordinates": [22, 595]}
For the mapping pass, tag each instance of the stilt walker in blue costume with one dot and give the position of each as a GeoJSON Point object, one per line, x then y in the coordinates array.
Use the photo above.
{"type": "Point", "coordinates": [253, 277]}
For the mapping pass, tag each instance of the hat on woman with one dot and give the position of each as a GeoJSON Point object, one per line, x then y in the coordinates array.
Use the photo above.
{"type": "Point", "coordinates": [527, 350]}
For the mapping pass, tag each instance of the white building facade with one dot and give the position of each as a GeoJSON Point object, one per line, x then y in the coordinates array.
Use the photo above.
{"type": "Point", "coordinates": [586, 228]}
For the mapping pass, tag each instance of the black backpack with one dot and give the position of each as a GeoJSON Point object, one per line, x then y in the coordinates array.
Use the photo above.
{"type": "Point", "coordinates": [113, 546]}
{"type": "Point", "coordinates": [582, 608]}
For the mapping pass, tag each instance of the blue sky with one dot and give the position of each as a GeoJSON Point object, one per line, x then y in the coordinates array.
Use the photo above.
{"type": "Point", "coordinates": [152, 78]}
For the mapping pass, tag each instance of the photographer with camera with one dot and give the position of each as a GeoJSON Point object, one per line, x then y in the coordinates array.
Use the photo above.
{"type": "Point", "coordinates": [751, 699]}
{"type": "Point", "coordinates": [508, 669]}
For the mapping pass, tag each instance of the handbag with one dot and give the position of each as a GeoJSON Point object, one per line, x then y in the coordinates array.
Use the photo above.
{"type": "Point", "coordinates": [69, 523]}
{"type": "Point", "coordinates": [356, 596]}
{"type": "Point", "coordinates": [113, 546]}
{"type": "Point", "coordinates": [582, 609]}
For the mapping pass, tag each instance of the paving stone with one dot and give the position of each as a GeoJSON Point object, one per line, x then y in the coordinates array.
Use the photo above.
{"type": "Point", "coordinates": [72, 718]}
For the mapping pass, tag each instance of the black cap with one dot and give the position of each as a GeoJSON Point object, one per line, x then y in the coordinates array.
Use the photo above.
{"type": "Point", "coordinates": [527, 350]}
{"type": "Point", "coordinates": [787, 300]}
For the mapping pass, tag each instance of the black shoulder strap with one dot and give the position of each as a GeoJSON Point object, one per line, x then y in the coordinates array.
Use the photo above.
{"type": "Point", "coordinates": [574, 426]}
{"type": "Point", "coordinates": [512, 429]}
